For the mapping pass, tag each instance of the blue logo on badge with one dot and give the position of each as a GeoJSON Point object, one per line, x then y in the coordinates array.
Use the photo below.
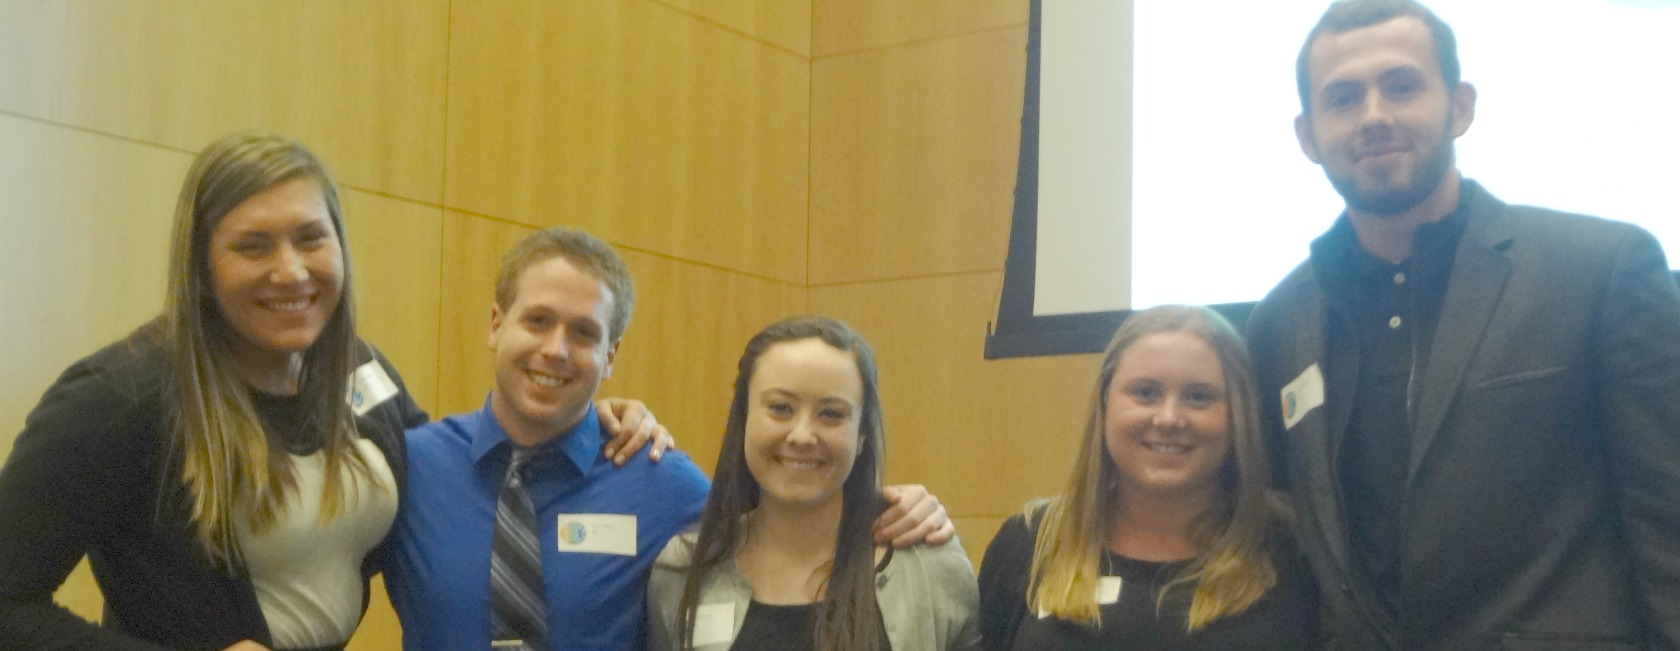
{"type": "Point", "coordinates": [573, 532]}
{"type": "Point", "coordinates": [1289, 405]}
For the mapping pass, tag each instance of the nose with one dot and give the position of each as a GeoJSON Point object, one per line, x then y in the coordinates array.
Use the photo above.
{"type": "Point", "coordinates": [554, 345]}
{"type": "Point", "coordinates": [1170, 415]}
{"type": "Point", "coordinates": [802, 431]}
{"type": "Point", "coordinates": [289, 267]}
{"type": "Point", "coordinates": [1376, 114]}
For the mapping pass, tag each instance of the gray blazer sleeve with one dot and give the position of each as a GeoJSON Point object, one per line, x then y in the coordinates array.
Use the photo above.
{"type": "Point", "coordinates": [1638, 350]}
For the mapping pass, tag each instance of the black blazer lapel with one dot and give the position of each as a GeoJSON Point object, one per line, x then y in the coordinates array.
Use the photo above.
{"type": "Point", "coordinates": [1480, 269]}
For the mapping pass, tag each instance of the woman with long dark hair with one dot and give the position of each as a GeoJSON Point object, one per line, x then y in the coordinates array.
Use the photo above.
{"type": "Point", "coordinates": [784, 557]}
{"type": "Point", "coordinates": [1166, 536]}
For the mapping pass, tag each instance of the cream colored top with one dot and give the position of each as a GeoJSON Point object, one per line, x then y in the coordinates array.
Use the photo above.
{"type": "Point", "coordinates": [308, 576]}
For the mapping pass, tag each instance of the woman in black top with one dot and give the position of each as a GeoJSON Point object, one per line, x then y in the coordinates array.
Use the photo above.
{"type": "Point", "coordinates": [228, 466]}
{"type": "Point", "coordinates": [1166, 536]}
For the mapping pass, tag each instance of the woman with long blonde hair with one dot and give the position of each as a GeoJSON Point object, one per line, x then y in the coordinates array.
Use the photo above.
{"type": "Point", "coordinates": [1166, 536]}
{"type": "Point", "coordinates": [228, 466]}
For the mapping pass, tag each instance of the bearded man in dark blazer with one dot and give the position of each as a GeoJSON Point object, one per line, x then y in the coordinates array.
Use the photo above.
{"type": "Point", "coordinates": [1476, 406]}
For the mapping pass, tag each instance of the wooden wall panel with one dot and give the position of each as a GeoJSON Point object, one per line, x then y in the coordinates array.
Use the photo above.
{"type": "Point", "coordinates": [784, 23]}
{"type": "Point", "coordinates": [913, 157]}
{"type": "Point", "coordinates": [644, 125]}
{"type": "Point", "coordinates": [678, 356]}
{"type": "Point", "coordinates": [472, 254]}
{"type": "Point", "coordinates": [397, 247]}
{"type": "Point", "coordinates": [844, 26]}
{"type": "Point", "coordinates": [976, 533]}
{"type": "Point", "coordinates": [361, 82]}
{"type": "Point", "coordinates": [86, 238]}
{"type": "Point", "coordinates": [986, 436]}
{"type": "Point", "coordinates": [380, 630]}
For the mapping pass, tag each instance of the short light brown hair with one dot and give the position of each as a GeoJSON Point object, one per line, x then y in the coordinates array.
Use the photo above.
{"type": "Point", "coordinates": [586, 252]}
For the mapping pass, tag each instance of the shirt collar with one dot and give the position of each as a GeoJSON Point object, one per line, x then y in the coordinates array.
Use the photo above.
{"type": "Point", "coordinates": [581, 444]}
{"type": "Point", "coordinates": [1339, 250]}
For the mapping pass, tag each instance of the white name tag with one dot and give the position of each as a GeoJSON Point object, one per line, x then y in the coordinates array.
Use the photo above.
{"type": "Point", "coordinates": [597, 533]}
{"type": "Point", "coordinates": [1108, 590]}
{"type": "Point", "coordinates": [1302, 395]}
{"type": "Point", "coordinates": [369, 386]}
{"type": "Point", "coordinates": [714, 623]}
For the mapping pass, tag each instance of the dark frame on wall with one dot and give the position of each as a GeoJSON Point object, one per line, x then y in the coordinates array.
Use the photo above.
{"type": "Point", "coordinates": [1017, 332]}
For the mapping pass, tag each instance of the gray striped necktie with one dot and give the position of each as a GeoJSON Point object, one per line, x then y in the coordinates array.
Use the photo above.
{"type": "Point", "coordinates": [517, 614]}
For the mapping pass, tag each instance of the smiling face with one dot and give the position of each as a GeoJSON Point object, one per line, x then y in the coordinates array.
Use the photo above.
{"type": "Point", "coordinates": [552, 350]}
{"type": "Point", "coordinates": [277, 273]}
{"type": "Point", "coordinates": [805, 401]}
{"type": "Point", "coordinates": [1382, 120]}
{"type": "Point", "coordinates": [1167, 419]}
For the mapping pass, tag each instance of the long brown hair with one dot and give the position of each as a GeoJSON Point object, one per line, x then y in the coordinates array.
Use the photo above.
{"type": "Point", "coordinates": [847, 618]}
{"type": "Point", "coordinates": [226, 460]}
{"type": "Point", "coordinates": [1232, 568]}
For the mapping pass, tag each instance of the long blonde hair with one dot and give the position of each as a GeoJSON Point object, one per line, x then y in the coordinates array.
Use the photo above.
{"type": "Point", "coordinates": [227, 462]}
{"type": "Point", "coordinates": [1232, 568]}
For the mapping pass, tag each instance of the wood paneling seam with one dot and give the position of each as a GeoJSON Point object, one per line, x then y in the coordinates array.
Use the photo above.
{"type": "Point", "coordinates": [919, 41]}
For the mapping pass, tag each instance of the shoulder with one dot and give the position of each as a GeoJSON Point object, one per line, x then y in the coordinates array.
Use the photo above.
{"type": "Point", "coordinates": [1280, 302]}
{"type": "Point", "coordinates": [673, 476]}
{"type": "Point", "coordinates": [374, 374]}
{"type": "Point", "coordinates": [442, 443]}
{"type": "Point", "coordinates": [135, 368]}
{"type": "Point", "coordinates": [123, 385]}
{"type": "Point", "coordinates": [678, 552]}
{"type": "Point", "coordinates": [1548, 229]}
{"type": "Point", "coordinates": [938, 561]}
{"type": "Point", "coordinates": [671, 571]}
{"type": "Point", "coordinates": [1011, 550]}
{"type": "Point", "coordinates": [1020, 529]}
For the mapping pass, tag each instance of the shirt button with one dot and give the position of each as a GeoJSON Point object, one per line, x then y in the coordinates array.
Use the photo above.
{"type": "Point", "coordinates": [1400, 278]}
{"type": "Point", "coordinates": [1394, 322]}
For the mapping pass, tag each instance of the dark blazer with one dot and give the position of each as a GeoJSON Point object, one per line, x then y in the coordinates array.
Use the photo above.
{"type": "Point", "coordinates": [1542, 501]}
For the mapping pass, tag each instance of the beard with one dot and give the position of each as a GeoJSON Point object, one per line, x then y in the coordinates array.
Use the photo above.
{"type": "Point", "coordinates": [1426, 177]}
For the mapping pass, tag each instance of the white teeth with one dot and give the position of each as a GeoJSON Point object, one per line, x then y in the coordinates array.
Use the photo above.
{"type": "Point", "coordinates": [801, 464]}
{"type": "Point", "coordinates": [1167, 448]}
{"type": "Point", "coordinates": [543, 380]}
{"type": "Point", "coordinates": [289, 306]}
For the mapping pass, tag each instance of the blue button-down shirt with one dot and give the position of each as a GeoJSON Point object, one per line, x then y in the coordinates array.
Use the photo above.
{"type": "Point", "coordinates": [437, 565]}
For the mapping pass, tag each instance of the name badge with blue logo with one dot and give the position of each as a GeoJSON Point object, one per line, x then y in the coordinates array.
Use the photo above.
{"type": "Point", "coordinates": [597, 533]}
{"type": "Point", "coordinates": [369, 386]}
{"type": "Point", "coordinates": [1302, 395]}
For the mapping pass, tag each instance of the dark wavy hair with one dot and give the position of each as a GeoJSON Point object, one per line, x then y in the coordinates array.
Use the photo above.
{"type": "Point", "coordinates": [847, 618]}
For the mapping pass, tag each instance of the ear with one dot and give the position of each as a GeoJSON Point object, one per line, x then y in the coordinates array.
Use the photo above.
{"type": "Point", "coordinates": [1304, 136]}
{"type": "Point", "coordinates": [495, 323]}
{"type": "Point", "coordinates": [1464, 108]}
{"type": "Point", "coordinates": [612, 354]}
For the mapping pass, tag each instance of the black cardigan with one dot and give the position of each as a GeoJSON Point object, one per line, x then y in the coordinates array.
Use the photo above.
{"type": "Point", "coordinates": [92, 474]}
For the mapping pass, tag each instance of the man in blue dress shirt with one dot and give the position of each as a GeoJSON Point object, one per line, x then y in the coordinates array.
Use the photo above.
{"type": "Point", "coordinates": [563, 299]}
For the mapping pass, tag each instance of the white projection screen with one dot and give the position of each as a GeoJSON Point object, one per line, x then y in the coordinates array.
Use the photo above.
{"type": "Point", "coordinates": [1159, 161]}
